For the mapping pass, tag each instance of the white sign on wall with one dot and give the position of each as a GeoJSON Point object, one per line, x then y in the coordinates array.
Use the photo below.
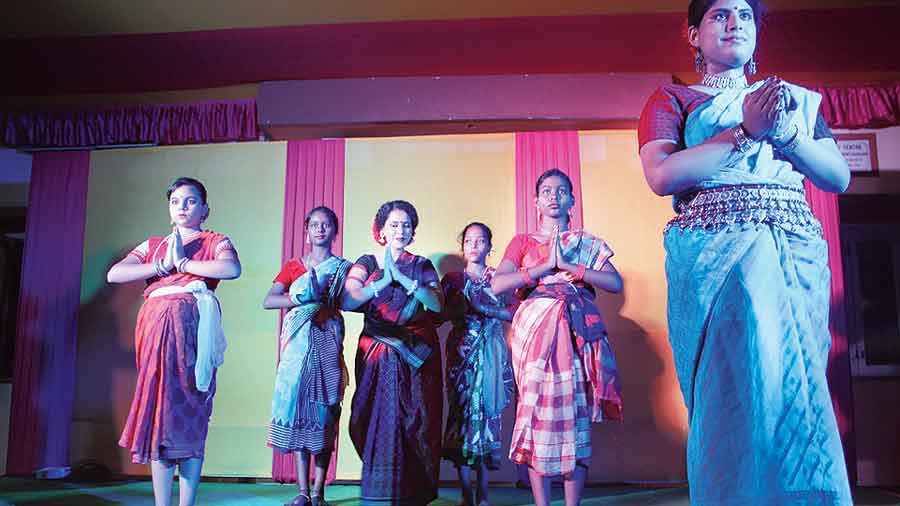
{"type": "Point", "coordinates": [860, 151]}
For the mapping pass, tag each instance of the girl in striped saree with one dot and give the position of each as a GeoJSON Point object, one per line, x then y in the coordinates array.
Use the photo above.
{"type": "Point", "coordinates": [309, 382]}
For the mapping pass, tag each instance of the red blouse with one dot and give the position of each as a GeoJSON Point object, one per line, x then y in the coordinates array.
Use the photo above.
{"type": "Point", "coordinates": [292, 270]}
{"type": "Point", "coordinates": [667, 109]}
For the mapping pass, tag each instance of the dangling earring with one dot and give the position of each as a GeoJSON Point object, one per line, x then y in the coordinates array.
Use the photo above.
{"type": "Point", "coordinates": [699, 62]}
{"type": "Point", "coordinates": [751, 65]}
{"type": "Point", "coordinates": [307, 239]}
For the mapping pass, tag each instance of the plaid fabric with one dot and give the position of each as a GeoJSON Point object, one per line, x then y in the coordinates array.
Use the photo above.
{"type": "Point", "coordinates": [565, 382]}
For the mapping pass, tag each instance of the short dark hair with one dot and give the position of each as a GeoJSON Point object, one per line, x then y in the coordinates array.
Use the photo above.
{"type": "Point", "coordinates": [698, 8]}
{"type": "Point", "coordinates": [550, 173]}
{"type": "Point", "coordinates": [382, 215]}
{"type": "Point", "coordinates": [485, 228]}
{"type": "Point", "coordinates": [327, 212]}
{"type": "Point", "coordinates": [186, 181]}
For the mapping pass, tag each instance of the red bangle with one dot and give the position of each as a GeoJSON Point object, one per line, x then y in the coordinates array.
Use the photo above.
{"type": "Point", "coordinates": [580, 274]}
{"type": "Point", "coordinates": [526, 276]}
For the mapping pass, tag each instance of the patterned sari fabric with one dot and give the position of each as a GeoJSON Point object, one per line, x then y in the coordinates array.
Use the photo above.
{"type": "Point", "coordinates": [395, 418]}
{"type": "Point", "coordinates": [748, 322]}
{"type": "Point", "coordinates": [309, 382]}
{"type": "Point", "coordinates": [479, 374]}
{"type": "Point", "coordinates": [564, 367]}
{"type": "Point", "coordinates": [169, 416]}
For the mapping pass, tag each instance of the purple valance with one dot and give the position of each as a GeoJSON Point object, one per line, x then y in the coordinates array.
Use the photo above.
{"type": "Point", "coordinates": [162, 124]}
{"type": "Point", "coordinates": [867, 106]}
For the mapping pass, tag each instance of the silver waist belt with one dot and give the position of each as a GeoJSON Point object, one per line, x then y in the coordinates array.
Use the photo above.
{"type": "Point", "coordinates": [763, 204]}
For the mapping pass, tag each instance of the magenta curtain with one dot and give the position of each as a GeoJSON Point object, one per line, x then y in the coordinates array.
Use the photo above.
{"type": "Point", "coordinates": [868, 106]}
{"type": "Point", "coordinates": [44, 370]}
{"type": "Point", "coordinates": [134, 124]}
{"type": "Point", "coordinates": [314, 177]}
{"type": "Point", "coordinates": [825, 207]}
{"type": "Point", "coordinates": [537, 152]}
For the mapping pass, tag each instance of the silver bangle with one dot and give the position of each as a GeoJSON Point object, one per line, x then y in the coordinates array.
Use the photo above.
{"type": "Point", "coordinates": [782, 140]}
{"type": "Point", "coordinates": [742, 141]}
{"type": "Point", "coordinates": [790, 146]}
{"type": "Point", "coordinates": [413, 288]}
{"type": "Point", "coordinates": [182, 263]}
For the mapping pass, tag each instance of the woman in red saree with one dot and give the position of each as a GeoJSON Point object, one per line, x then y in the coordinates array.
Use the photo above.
{"type": "Point", "coordinates": [564, 367]}
{"type": "Point", "coordinates": [395, 416]}
{"type": "Point", "coordinates": [178, 341]}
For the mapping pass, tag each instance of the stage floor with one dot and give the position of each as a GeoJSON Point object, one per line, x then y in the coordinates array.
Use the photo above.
{"type": "Point", "coordinates": [20, 492]}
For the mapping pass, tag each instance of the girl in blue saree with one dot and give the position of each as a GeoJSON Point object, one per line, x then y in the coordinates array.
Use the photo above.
{"type": "Point", "coordinates": [747, 270]}
{"type": "Point", "coordinates": [310, 379]}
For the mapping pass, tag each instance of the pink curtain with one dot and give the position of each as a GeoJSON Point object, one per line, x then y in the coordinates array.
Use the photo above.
{"type": "Point", "coordinates": [314, 177]}
{"type": "Point", "coordinates": [825, 206]}
{"type": "Point", "coordinates": [537, 152]}
{"type": "Point", "coordinates": [867, 106]}
{"type": "Point", "coordinates": [133, 124]}
{"type": "Point", "coordinates": [44, 370]}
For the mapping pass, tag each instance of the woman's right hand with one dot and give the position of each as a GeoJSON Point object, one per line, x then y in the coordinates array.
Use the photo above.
{"type": "Point", "coordinates": [314, 281]}
{"type": "Point", "coordinates": [553, 257]}
{"type": "Point", "coordinates": [168, 262]}
{"type": "Point", "coordinates": [761, 109]}
{"type": "Point", "coordinates": [387, 273]}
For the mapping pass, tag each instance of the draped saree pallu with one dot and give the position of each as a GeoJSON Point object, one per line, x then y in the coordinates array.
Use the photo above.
{"type": "Point", "coordinates": [310, 379]}
{"type": "Point", "coordinates": [178, 345]}
{"type": "Point", "coordinates": [748, 305]}
{"type": "Point", "coordinates": [479, 373]}
{"type": "Point", "coordinates": [564, 366]}
{"type": "Point", "coordinates": [395, 419]}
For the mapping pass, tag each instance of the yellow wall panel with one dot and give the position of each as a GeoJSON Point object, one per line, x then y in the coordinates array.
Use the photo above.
{"type": "Point", "coordinates": [127, 203]}
{"type": "Point", "coordinates": [451, 180]}
{"type": "Point", "coordinates": [621, 208]}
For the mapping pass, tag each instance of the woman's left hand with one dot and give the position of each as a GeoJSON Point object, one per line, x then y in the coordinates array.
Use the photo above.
{"type": "Point", "coordinates": [783, 126]}
{"type": "Point", "coordinates": [561, 263]}
{"type": "Point", "coordinates": [398, 276]}
{"type": "Point", "coordinates": [390, 266]}
{"type": "Point", "coordinates": [177, 246]}
{"type": "Point", "coordinates": [313, 281]}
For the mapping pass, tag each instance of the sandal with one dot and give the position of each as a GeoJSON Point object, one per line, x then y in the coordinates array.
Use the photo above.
{"type": "Point", "coordinates": [301, 499]}
{"type": "Point", "coordinates": [318, 500]}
